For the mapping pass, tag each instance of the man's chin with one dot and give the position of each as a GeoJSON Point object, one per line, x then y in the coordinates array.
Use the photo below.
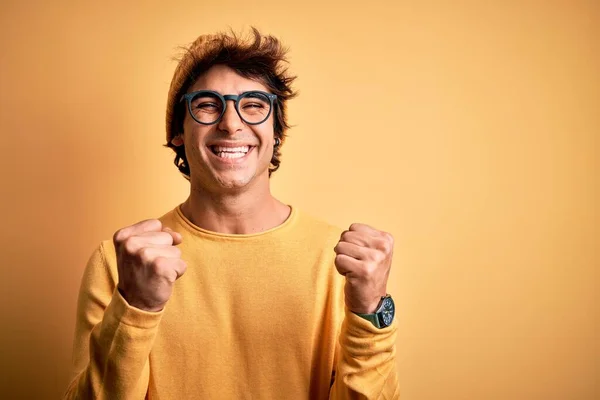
{"type": "Point", "coordinates": [234, 181]}
{"type": "Point", "coordinates": [227, 180]}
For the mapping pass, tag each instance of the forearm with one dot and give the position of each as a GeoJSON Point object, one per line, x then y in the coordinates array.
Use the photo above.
{"type": "Point", "coordinates": [114, 363]}
{"type": "Point", "coordinates": [366, 366]}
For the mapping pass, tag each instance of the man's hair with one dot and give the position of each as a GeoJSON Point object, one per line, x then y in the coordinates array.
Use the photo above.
{"type": "Point", "coordinates": [258, 57]}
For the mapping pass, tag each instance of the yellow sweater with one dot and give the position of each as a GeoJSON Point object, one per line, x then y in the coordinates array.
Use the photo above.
{"type": "Point", "coordinates": [256, 316]}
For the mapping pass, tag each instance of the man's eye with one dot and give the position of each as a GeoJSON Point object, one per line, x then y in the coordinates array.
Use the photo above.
{"type": "Point", "coordinates": [254, 105]}
{"type": "Point", "coordinates": [207, 106]}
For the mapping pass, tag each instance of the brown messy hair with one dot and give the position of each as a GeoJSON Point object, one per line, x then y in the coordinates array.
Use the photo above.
{"type": "Point", "coordinates": [258, 57]}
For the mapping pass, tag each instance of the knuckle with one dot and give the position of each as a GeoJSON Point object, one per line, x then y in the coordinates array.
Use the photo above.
{"type": "Point", "coordinates": [379, 256]}
{"type": "Point", "coordinates": [373, 268]}
{"type": "Point", "coordinates": [144, 254]}
{"type": "Point", "coordinates": [129, 245]}
{"type": "Point", "coordinates": [387, 248]}
{"type": "Point", "coordinates": [149, 225]}
{"type": "Point", "coordinates": [177, 251]}
{"type": "Point", "coordinates": [183, 265]}
{"type": "Point", "coordinates": [159, 264]}
{"type": "Point", "coordinates": [166, 236]}
{"type": "Point", "coordinates": [171, 276]}
{"type": "Point", "coordinates": [366, 270]}
{"type": "Point", "coordinates": [155, 224]}
{"type": "Point", "coordinates": [363, 270]}
{"type": "Point", "coordinates": [389, 238]}
{"type": "Point", "coordinates": [169, 239]}
{"type": "Point", "coordinates": [119, 236]}
{"type": "Point", "coordinates": [386, 244]}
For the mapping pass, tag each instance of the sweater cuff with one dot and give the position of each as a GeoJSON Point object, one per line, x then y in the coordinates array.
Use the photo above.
{"type": "Point", "coordinates": [360, 338]}
{"type": "Point", "coordinates": [121, 311]}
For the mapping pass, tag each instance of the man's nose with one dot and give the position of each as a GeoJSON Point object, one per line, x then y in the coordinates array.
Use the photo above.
{"type": "Point", "coordinates": [231, 121]}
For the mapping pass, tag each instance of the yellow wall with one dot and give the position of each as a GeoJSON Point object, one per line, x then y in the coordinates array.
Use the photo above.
{"type": "Point", "coordinates": [467, 129]}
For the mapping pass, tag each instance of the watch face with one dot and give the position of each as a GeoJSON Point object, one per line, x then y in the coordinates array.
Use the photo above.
{"type": "Point", "coordinates": [387, 311]}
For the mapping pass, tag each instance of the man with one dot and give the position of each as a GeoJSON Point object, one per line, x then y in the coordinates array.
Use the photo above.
{"type": "Point", "coordinates": [274, 304]}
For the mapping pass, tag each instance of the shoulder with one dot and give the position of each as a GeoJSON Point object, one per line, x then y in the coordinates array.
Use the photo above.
{"type": "Point", "coordinates": [318, 228]}
{"type": "Point", "coordinates": [171, 217]}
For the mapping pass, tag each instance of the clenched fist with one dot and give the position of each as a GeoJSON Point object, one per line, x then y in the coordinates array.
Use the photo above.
{"type": "Point", "coordinates": [148, 263]}
{"type": "Point", "coordinates": [364, 257]}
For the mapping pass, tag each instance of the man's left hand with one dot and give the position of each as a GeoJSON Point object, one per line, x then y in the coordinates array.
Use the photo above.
{"type": "Point", "coordinates": [364, 257]}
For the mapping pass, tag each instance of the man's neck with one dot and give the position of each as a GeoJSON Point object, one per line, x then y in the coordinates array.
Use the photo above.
{"type": "Point", "coordinates": [242, 212]}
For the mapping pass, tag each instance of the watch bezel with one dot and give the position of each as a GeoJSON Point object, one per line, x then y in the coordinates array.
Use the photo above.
{"type": "Point", "coordinates": [386, 301]}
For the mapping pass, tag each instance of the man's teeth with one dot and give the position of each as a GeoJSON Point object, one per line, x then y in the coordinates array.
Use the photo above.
{"type": "Point", "coordinates": [241, 149]}
{"type": "Point", "coordinates": [230, 152]}
{"type": "Point", "coordinates": [230, 155]}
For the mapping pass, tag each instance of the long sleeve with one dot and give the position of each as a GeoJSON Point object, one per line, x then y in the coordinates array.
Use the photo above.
{"type": "Point", "coordinates": [366, 361]}
{"type": "Point", "coordinates": [112, 339]}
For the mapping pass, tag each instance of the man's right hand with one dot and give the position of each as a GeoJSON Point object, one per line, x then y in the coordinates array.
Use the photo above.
{"type": "Point", "coordinates": [148, 263]}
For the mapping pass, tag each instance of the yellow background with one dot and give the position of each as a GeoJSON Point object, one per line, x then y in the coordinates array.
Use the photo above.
{"type": "Point", "coordinates": [468, 129]}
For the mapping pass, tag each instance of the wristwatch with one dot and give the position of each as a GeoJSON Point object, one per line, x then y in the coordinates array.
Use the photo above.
{"type": "Point", "coordinates": [384, 315]}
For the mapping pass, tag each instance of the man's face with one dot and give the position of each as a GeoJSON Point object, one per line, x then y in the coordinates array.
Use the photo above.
{"type": "Point", "coordinates": [215, 152]}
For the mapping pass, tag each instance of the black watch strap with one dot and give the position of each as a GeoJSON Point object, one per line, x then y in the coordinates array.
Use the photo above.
{"type": "Point", "coordinates": [373, 318]}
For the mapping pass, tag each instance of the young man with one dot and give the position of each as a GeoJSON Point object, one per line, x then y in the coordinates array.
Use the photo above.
{"type": "Point", "coordinates": [274, 304]}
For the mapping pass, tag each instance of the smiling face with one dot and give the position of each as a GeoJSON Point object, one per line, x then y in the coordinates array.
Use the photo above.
{"type": "Point", "coordinates": [229, 154]}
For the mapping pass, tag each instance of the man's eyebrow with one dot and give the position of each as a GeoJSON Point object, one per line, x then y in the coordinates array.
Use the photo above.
{"type": "Point", "coordinates": [234, 92]}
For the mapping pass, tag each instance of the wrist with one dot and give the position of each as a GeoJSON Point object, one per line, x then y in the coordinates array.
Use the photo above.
{"type": "Point", "coordinates": [366, 307]}
{"type": "Point", "coordinates": [140, 305]}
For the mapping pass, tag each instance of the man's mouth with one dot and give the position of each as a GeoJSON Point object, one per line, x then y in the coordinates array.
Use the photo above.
{"type": "Point", "coordinates": [230, 152]}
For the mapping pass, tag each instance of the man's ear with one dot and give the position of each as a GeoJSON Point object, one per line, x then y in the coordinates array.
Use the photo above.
{"type": "Point", "coordinates": [177, 140]}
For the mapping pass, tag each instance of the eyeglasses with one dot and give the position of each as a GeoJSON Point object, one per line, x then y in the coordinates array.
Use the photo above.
{"type": "Point", "coordinates": [207, 107]}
